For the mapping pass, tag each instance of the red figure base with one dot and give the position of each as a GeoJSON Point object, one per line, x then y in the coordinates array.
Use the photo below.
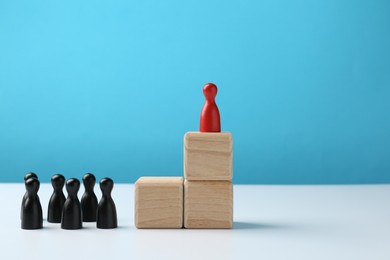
{"type": "Point", "coordinates": [209, 118]}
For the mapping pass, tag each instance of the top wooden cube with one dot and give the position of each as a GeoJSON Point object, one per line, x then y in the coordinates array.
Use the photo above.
{"type": "Point", "coordinates": [208, 156]}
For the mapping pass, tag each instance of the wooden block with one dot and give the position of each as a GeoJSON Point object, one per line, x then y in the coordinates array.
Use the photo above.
{"type": "Point", "coordinates": [208, 204]}
{"type": "Point", "coordinates": [208, 156]}
{"type": "Point", "coordinates": [159, 202]}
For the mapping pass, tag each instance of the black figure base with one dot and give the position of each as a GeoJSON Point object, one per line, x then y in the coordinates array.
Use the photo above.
{"type": "Point", "coordinates": [71, 212]}
{"type": "Point", "coordinates": [57, 199]}
{"type": "Point", "coordinates": [89, 201]}
{"type": "Point", "coordinates": [31, 207]}
{"type": "Point", "coordinates": [106, 212]}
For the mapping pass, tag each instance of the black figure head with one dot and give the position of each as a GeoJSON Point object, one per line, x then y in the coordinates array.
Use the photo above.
{"type": "Point", "coordinates": [32, 185]}
{"type": "Point", "coordinates": [30, 175]}
{"type": "Point", "coordinates": [72, 186]}
{"type": "Point", "coordinates": [106, 185]}
{"type": "Point", "coordinates": [89, 181]}
{"type": "Point", "coordinates": [57, 181]}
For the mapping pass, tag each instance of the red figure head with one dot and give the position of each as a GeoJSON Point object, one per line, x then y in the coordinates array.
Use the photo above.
{"type": "Point", "coordinates": [210, 91]}
{"type": "Point", "coordinates": [209, 118]}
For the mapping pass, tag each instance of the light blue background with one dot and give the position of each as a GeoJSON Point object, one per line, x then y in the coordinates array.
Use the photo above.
{"type": "Point", "coordinates": [110, 87]}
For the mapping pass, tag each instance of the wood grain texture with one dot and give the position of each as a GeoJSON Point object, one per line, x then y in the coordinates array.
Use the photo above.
{"type": "Point", "coordinates": [208, 156]}
{"type": "Point", "coordinates": [159, 202]}
{"type": "Point", "coordinates": [208, 204]}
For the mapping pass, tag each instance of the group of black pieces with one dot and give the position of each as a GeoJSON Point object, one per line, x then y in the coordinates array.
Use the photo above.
{"type": "Point", "coordinates": [69, 212]}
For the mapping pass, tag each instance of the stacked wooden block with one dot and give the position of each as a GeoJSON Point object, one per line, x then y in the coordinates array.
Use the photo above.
{"type": "Point", "coordinates": [202, 199]}
{"type": "Point", "coordinates": [208, 188]}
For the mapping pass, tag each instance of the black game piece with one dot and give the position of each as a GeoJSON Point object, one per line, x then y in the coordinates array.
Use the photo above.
{"type": "Point", "coordinates": [26, 177]}
{"type": "Point", "coordinates": [71, 212]}
{"type": "Point", "coordinates": [30, 175]}
{"type": "Point", "coordinates": [106, 211]}
{"type": "Point", "coordinates": [89, 201]}
{"type": "Point", "coordinates": [57, 199]}
{"type": "Point", "coordinates": [31, 207]}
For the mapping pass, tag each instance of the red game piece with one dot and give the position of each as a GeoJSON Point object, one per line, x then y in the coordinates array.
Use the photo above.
{"type": "Point", "coordinates": [209, 118]}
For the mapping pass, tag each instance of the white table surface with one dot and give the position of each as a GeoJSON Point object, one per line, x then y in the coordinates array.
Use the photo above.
{"type": "Point", "coordinates": [271, 222]}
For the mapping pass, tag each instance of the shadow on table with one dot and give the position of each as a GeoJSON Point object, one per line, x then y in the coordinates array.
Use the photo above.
{"type": "Point", "coordinates": [253, 225]}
